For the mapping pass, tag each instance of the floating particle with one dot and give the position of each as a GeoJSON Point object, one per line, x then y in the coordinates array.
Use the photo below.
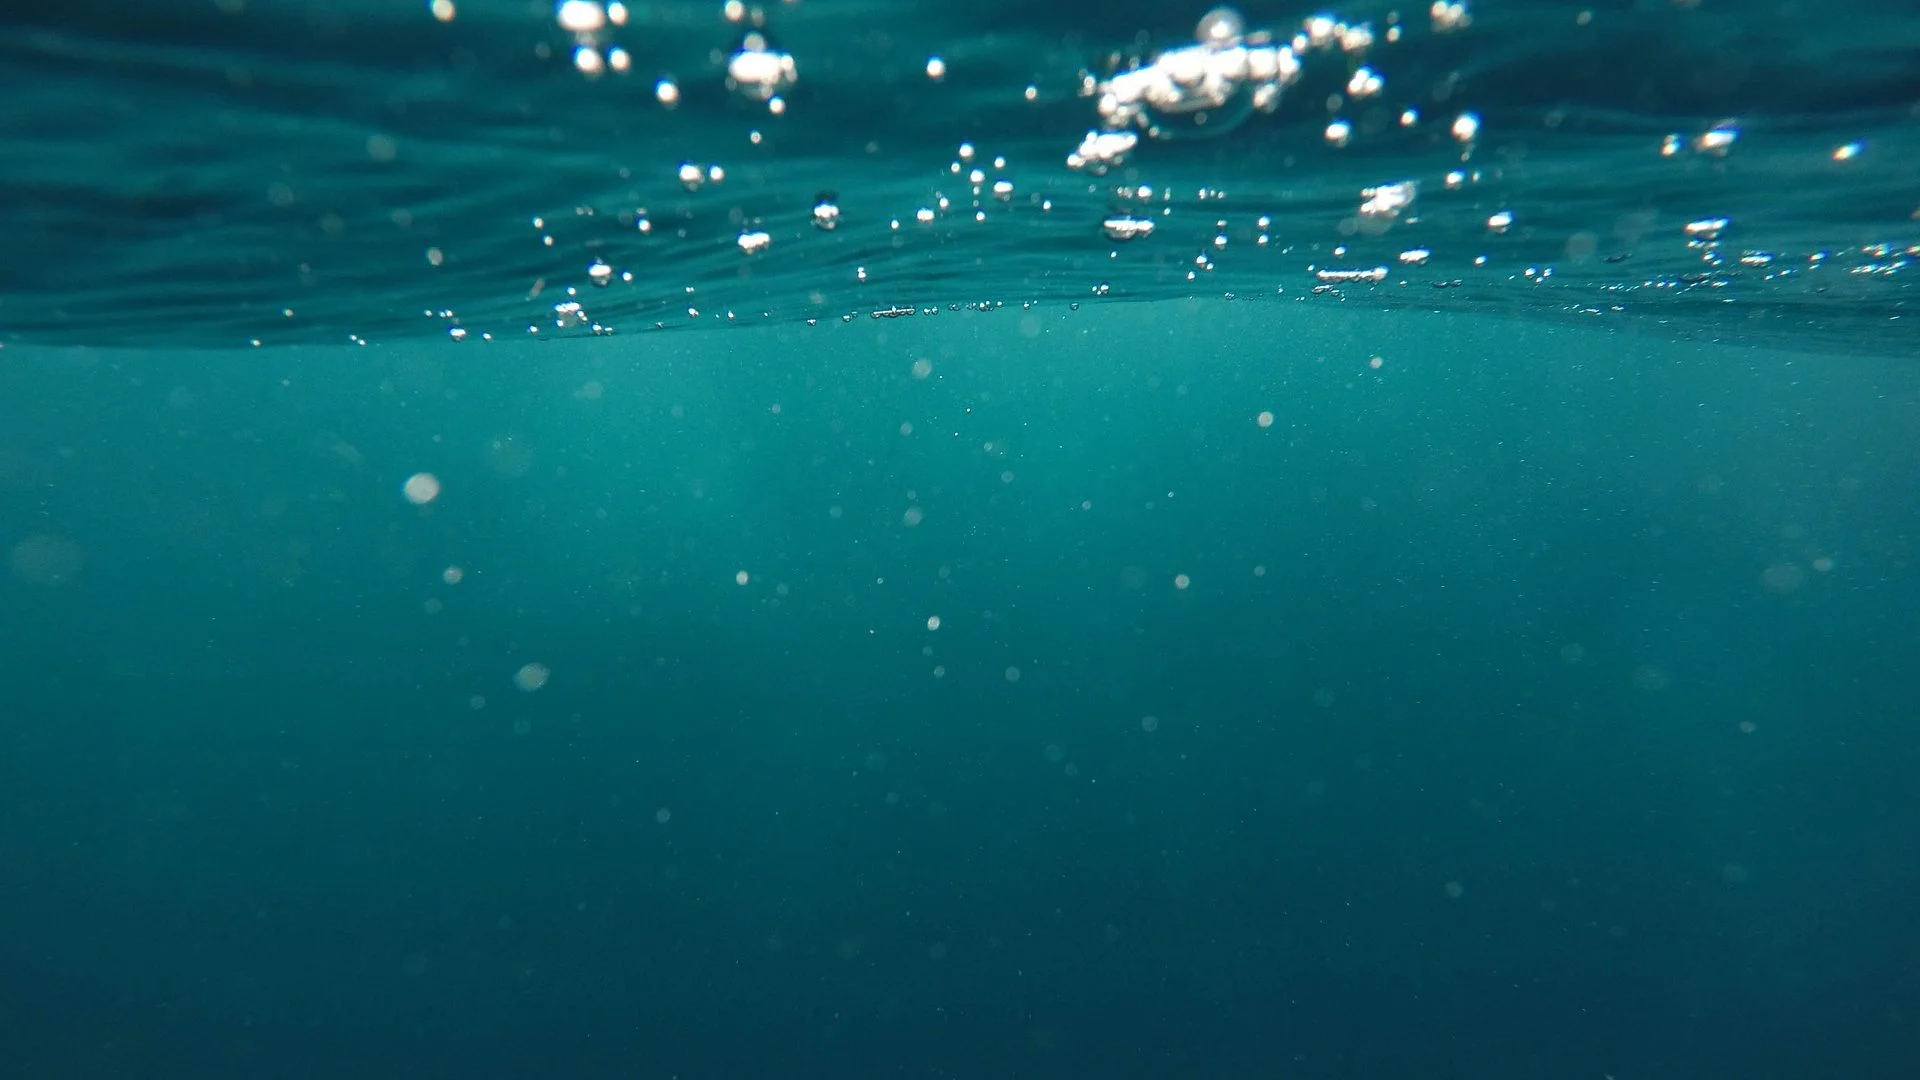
{"type": "Point", "coordinates": [421, 488]}
{"type": "Point", "coordinates": [532, 677]}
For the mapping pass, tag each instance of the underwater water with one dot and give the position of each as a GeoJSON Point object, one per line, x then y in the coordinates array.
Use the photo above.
{"type": "Point", "coordinates": [691, 540]}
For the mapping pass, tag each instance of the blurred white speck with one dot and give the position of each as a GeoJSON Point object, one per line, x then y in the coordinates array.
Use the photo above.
{"type": "Point", "coordinates": [421, 488]}
{"type": "Point", "coordinates": [532, 677]}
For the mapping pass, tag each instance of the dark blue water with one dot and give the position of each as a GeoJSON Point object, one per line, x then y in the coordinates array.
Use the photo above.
{"type": "Point", "coordinates": [1324, 636]}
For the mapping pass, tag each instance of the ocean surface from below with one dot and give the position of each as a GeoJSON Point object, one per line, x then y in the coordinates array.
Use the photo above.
{"type": "Point", "coordinates": [261, 174]}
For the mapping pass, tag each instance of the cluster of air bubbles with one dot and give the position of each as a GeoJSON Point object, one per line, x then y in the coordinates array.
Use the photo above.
{"type": "Point", "coordinates": [826, 211]}
{"type": "Point", "coordinates": [1383, 206]}
{"type": "Point", "coordinates": [1123, 227]}
{"type": "Point", "coordinates": [1208, 86]}
{"type": "Point", "coordinates": [760, 72]}
{"type": "Point", "coordinates": [590, 23]}
{"type": "Point", "coordinates": [1231, 72]}
{"type": "Point", "coordinates": [692, 176]}
{"type": "Point", "coordinates": [1226, 75]}
{"type": "Point", "coordinates": [756, 68]}
{"type": "Point", "coordinates": [1447, 17]}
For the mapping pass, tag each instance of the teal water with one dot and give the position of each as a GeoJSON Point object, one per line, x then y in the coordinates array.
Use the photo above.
{"type": "Point", "coordinates": [1537, 703]}
{"type": "Point", "coordinates": [969, 672]}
